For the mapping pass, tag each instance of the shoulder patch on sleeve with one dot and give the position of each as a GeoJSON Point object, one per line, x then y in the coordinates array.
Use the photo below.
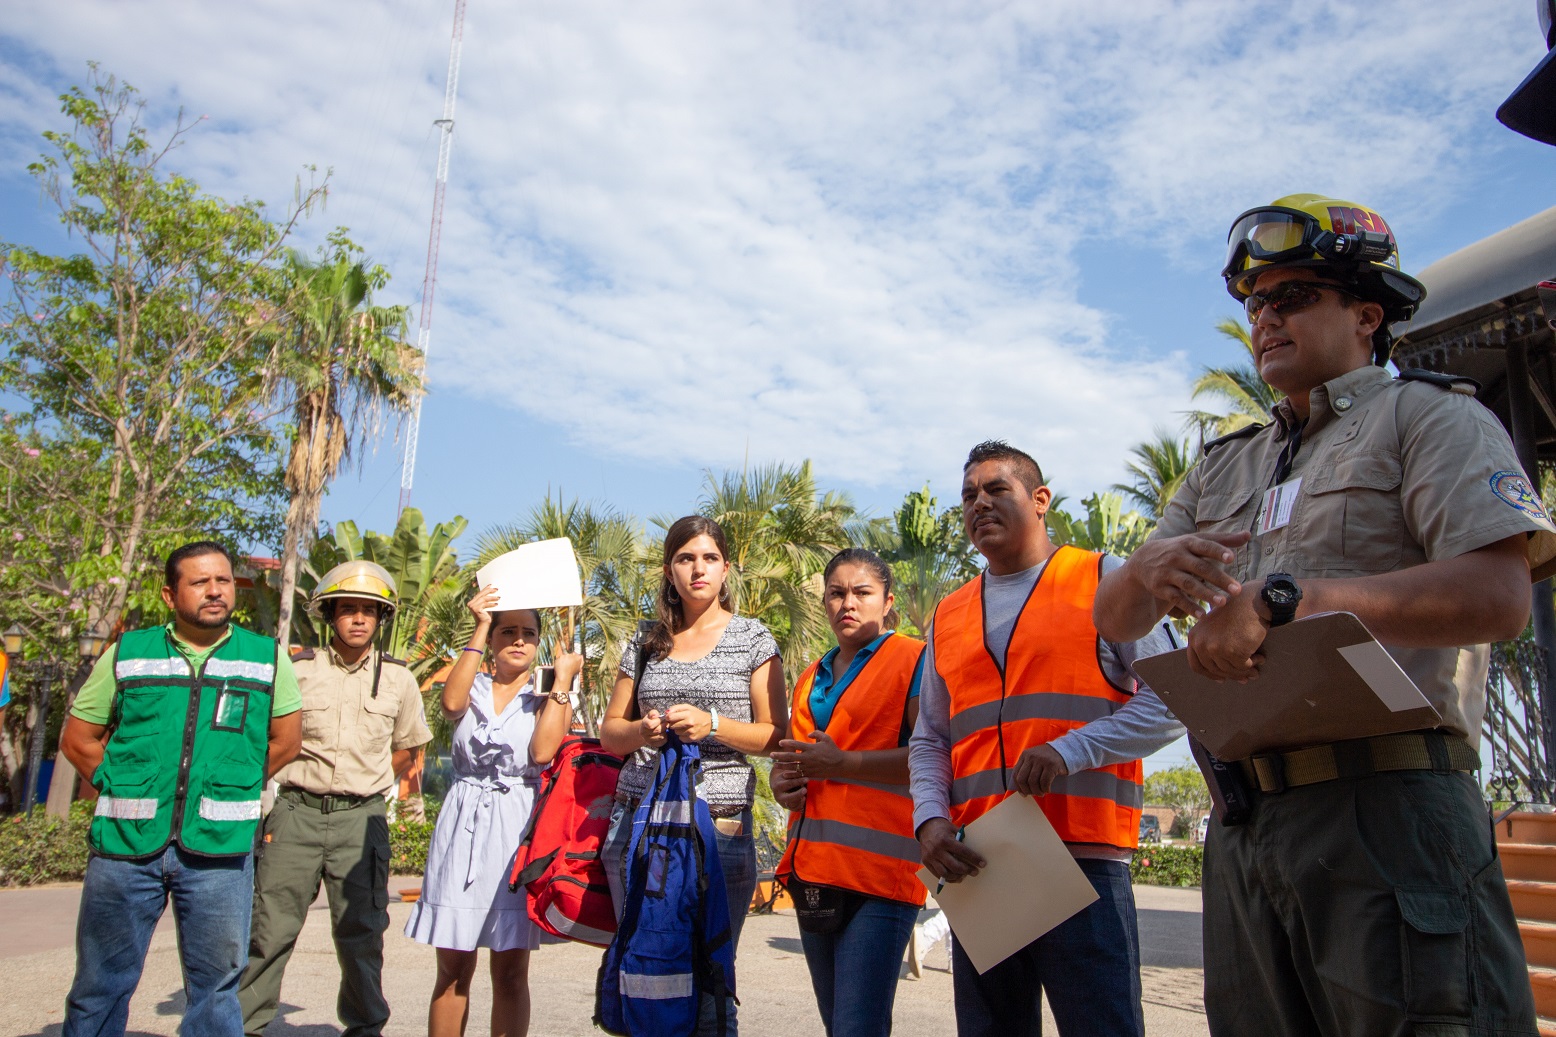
{"type": "Point", "coordinates": [392, 659]}
{"type": "Point", "coordinates": [1513, 489]}
{"type": "Point", "coordinates": [1242, 433]}
{"type": "Point", "coordinates": [302, 655]}
{"type": "Point", "coordinates": [1451, 382]}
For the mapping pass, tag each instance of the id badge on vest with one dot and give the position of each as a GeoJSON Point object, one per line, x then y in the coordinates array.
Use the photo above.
{"type": "Point", "coordinates": [1279, 502]}
{"type": "Point", "coordinates": [232, 710]}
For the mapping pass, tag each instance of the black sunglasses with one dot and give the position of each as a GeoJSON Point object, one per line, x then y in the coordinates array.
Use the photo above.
{"type": "Point", "coordinates": [1291, 297]}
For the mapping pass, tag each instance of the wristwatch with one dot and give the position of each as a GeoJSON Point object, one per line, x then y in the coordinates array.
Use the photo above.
{"type": "Point", "coordinates": [1282, 595]}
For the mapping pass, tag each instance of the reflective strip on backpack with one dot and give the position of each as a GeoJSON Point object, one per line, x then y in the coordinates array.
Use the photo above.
{"type": "Point", "coordinates": [126, 809]}
{"type": "Point", "coordinates": [265, 673]}
{"type": "Point", "coordinates": [857, 837]}
{"type": "Point", "coordinates": [124, 669]}
{"type": "Point", "coordinates": [656, 988]}
{"type": "Point", "coordinates": [576, 930]}
{"type": "Point", "coordinates": [226, 810]}
{"type": "Point", "coordinates": [670, 812]}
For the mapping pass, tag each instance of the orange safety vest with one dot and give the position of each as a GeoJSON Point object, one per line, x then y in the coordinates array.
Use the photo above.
{"type": "Point", "coordinates": [859, 834]}
{"type": "Point", "coordinates": [1052, 683]}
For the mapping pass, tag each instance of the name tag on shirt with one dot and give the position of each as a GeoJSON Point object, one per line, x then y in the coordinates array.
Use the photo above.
{"type": "Point", "coordinates": [1278, 504]}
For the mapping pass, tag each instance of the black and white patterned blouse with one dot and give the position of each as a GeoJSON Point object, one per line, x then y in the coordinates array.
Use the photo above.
{"type": "Point", "coordinates": [720, 679]}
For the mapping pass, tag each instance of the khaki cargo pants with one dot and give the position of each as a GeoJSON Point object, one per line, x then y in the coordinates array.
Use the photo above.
{"type": "Point", "coordinates": [348, 850]}
{"type": "Point", "coordinates": [1363, 907]}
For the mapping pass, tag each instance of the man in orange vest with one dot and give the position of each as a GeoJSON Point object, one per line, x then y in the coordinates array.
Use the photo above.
{"type": "Point", "coordinates": [1020, 694]}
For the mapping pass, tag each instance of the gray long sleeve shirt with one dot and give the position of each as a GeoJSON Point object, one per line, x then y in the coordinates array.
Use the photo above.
{"type": "Point", "coordinates": [1138, 728]}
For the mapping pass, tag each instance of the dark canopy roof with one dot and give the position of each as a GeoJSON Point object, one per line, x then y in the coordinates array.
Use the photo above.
{"type": "Point", "coordinates": [1480, 309]}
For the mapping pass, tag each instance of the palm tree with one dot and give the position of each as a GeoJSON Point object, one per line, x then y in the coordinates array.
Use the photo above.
{"type": "Point", "coordinates": [781, 532]}
{"type": "Point", "coordinates": [1157, 471]}
{"type": "Point", "coordinates": [345, 361]}
{"type": "Point", "coordinates": [1248, 397]}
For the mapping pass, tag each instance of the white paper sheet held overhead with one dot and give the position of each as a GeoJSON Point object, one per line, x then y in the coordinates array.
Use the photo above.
{"type": "Point", "coordinates": [541, 575]}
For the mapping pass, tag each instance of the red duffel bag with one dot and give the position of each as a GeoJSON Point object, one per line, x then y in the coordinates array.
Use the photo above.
{"type": "Point", "coordinates": [559, 856]}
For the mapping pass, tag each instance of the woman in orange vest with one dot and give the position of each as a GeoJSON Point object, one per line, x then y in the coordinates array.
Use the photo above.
{"type": "Point", "coordinates": [852, 860]}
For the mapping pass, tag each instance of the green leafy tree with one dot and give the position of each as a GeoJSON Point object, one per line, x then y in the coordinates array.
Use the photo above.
{"type": "Point", "coordinates": [153, 341]}
{"type": "Point", "coordinates": [1182, 789]}
{"type": "Point", "coordinates": [1158, 469]}
{"type": "Point", "coordinates": [1246, 397]}
{"type": "Point", "coordinates": [1106, 527]}
{"type": "Point", "coordinates": [345, 360]}
{"type": "Point", "coordinates": [931, 557]}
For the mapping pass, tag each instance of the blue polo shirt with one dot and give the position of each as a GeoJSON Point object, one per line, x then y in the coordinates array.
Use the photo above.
{"type": "Point", "coordinates": [825, 692]}
{"type": "Point", "coordinates": [5, 691]}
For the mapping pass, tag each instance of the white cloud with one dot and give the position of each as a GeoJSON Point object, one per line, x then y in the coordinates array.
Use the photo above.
{"type": "Point", "coordinates": [847, 232]}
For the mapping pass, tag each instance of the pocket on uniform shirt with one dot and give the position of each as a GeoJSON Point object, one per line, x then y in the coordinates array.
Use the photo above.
{"type": "Point", "coordinates": [378, 716]}
{"type": "Point", "coordinates": [1354, 522]}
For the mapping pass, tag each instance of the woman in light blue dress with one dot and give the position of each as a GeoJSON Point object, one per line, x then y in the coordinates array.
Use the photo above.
{"type": "Point", "coordinates": [506, 734]}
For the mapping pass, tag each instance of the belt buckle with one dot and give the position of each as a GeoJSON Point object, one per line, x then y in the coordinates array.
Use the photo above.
{"type": "Point", "coordinates": [1271, 772]}
{"type": "Point", "coordinates": [326, 805]}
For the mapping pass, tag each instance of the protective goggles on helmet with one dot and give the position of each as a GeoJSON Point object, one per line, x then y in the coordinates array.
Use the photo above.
{"type": "Point", "coordinates": [1290, 297]}
{"type": "Point", "coordinates": [1276, 234]}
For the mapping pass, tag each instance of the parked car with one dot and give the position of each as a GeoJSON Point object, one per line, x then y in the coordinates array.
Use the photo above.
{"type": "Point", "coordinates": [1150, 829]}
{"type": "Point", "coordinates": [1204, 828]}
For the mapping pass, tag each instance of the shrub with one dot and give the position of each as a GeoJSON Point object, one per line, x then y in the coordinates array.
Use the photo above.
{"type": "Point", "coordinates": [1167, 865]}
{"type": "Point", "coordinates": [408, 844]}
{"type": "Point", "coordinates": [36, 848]}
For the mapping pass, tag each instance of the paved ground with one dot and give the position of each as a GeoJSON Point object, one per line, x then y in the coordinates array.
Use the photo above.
{"type": "Point", "coordinates": [38, 929]}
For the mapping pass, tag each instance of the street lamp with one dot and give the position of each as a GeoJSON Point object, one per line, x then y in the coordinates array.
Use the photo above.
{"type": "Point", "coordinates": [48, 671]}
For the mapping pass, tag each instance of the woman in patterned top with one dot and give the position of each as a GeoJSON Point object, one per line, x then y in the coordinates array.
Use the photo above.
{"type": "Point", "coordinates": [713, 678]}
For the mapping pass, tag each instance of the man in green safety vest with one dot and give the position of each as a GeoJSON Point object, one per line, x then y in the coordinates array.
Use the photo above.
{"type": "Point", "coordinates": [177, 727]}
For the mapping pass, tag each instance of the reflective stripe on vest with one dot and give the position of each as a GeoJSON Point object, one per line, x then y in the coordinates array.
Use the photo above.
{"type": "Point", "coordinates": [856, 834]}
{"type": "Point", "coordinates": [1051, 683]}
{"type": "Point", "coordinates": [125, 809]}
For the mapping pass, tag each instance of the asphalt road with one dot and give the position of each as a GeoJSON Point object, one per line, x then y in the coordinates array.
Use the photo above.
{"type": "Point", "coordinates": [37, 928]}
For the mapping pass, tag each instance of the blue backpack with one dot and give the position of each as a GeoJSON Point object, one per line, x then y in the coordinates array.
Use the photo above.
{"type": "Point", "coordinates": [673, 944]}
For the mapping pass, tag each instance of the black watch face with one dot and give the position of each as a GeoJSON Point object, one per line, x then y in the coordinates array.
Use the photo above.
{"type": "Point", "coordinates": [1281, 596]}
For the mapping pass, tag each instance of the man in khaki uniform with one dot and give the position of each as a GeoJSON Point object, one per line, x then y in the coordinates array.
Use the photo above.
{"type": "Point", "coordinates": [1362, 895]}
{"type": "Point", "coordinates": [362, 723]}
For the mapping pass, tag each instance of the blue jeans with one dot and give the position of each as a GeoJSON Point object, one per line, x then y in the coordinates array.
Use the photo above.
{"type": "Point", "coordinates": [854, 972]}
{"type": "Point", "coordinates": [121, 902]}
{"type": "Point", "coordinates": [737, 860]}
{"type": "Point", "coordinates": [1088, 965]}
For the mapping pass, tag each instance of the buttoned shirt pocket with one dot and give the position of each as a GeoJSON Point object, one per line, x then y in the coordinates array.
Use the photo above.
{"type": "Point", "coordinates": [1352, 522]}
{"type": "Point", "coordinates": [378, 713]}
{"type": "Point", "coordinates": [318, 723]}
{"type": "Point", "coordinates": [1227, 512]}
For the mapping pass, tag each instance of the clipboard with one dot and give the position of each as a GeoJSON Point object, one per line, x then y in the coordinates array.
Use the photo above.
{"type": "Point", "coordinates": [1324, 679]}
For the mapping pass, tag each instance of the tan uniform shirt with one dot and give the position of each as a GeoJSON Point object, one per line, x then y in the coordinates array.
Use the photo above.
{"type": "Point", "coordinates": [1392, 474]}
{"type": "Point", "coordinates": [349, 734]}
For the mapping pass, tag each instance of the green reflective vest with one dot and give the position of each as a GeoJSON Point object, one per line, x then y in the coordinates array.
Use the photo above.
{"type": "Point", "coordinates": [185, 759]}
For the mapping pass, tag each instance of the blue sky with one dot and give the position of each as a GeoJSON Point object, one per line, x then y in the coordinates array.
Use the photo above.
{"type": "Point", "coordinates": [683, 235]}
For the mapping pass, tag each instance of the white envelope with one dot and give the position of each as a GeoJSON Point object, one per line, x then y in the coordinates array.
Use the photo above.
{"type": "Point", "coordinates": [536, 576]}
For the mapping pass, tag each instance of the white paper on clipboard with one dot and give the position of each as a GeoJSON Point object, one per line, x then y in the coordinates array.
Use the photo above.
{"type": "Point", "coordinates": [541, 575]}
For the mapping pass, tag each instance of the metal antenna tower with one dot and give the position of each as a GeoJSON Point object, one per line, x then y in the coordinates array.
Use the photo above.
{"type": "Point", "coordinates": [429, 282]}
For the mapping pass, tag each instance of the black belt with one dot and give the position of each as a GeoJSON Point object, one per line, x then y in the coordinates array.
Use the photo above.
{"type": "Point", "coordinates": [326, 804]}
{"type": "Point", "coordinates": [1360, 758]}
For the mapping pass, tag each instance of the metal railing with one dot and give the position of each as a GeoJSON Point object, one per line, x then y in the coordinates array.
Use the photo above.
{"type": "Point", "coordinates": [1516, 727]}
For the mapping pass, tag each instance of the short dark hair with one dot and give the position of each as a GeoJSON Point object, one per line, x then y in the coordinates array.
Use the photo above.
{"type": "Point", "coordinates": [1026, 469]}
{"type": "Point", "coordinates": [191, 550]}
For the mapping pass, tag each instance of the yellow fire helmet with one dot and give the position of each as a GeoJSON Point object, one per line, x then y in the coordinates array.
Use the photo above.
{"type": "Point", "coordinates": [356, 579]}
{"type": "Point", "coordinates": [1347, 243]}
